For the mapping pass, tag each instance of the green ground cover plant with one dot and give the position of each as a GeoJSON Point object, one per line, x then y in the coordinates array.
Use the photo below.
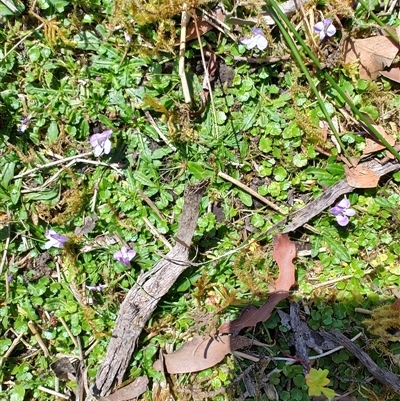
{"type": "Point", "coordinates": [101, 134]}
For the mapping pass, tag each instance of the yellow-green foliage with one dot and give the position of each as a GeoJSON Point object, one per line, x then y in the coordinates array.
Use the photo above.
{"type": "Point", "coordinates": [313, 133]}
{"type": "Point", "coordinates": [385, 323]}
{"type": "Point", "coordinates": [160, 13]}
{"type": "Point", "coordinates": [252, 269]}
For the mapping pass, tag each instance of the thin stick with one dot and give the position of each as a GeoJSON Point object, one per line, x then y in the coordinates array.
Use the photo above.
{"type": "Point", "coordinates": [150, 119]}
{"type": "Point", "coordinates": [307, 252]}
{"type": "Point", "coordinates": [49, 181]}
{"type": "Point", "coordinates": [69, 332]}
{"type": "Point", "coordinates": [319, 356]}
{"type": "Point", "coordinates": [12, 346]}
{"type": "Point", "coordinates": [97, 163]}
{"type": "Point", "coordinates": [27, 345]}
{"type": "Point", "coordinates": [216, 23]}
{"type": "Point", "coordinates": [337, 280]}
{"type": "Point", "coordinates": [150, 203]}
{"type": "Point", "coordinates": [95, 192]}
{"type": "Point", "coordinates": [363, 311]}
{"type": "Point", "coordinates": [182, 47]}
{"type": "Point", "coordinates": [6, 245]}
{"type": "Point", "coordinates": [252, 192]}
{"type": "Point", "coordinates": [52, 392]}
{"type": "Point", "coordinates": [18, 43]}
{"type": "Point", "coordinates": [33, 329]}
{"type": "Point", "coordinates": [51, 164]}
{"type": "Point", "coordinates": [263, 60]}
{"type": "Point", "coordinates": [89, 350]}
{"type": "Point", "coordinates": [155, 232]}
{"type": "Point", "coordinates": [206, 75]}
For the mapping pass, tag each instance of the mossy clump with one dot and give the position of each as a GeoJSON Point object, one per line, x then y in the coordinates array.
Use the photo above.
{"type": "Point", "coordinates": [385, 322]}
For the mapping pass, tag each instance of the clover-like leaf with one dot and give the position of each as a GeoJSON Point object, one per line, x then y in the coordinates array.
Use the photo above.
{"type": "Point", "coordinates": [317, 381]}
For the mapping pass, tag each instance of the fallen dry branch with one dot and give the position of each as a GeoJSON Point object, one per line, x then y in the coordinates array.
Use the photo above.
{"type": "Point", "coordinates": [143, 297]}
{"type": "Point", "coordinates": [314, 208]}
{"type": "Point", "coordinates": [385, 377]}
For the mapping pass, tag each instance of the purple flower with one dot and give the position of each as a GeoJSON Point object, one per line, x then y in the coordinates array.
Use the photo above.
{"type": "Point", "coordinates": [341, 211]}
{"type": "Point", "coordinates": [24, 124]}
{"type": "Point", "coordinates": [257, 39]}
{"type": "Point", "coordinates": [325, 28]}
{"type": "Point", "coordinates": [96, 288]}
{"type": "Point", "coordinates": [10, 278]}
{"type": "Point", "coordinates": [125, 255]}
{"type": "Point", "coordinates": [100, 143]}
{"type": "Point", "coordinates": [54, 239]}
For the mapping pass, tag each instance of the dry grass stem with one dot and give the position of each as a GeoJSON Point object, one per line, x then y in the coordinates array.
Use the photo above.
{"type": "Point", "coordinates": [33, 329]}
{"type": "Point", "coordinates": [252, 192]}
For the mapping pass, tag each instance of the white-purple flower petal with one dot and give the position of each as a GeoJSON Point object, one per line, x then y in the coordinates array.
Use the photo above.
{"type": "Point", "coordinates": [95, 288]}
{"type": "Point", "coordinates": [125, 255]}
{"type": "Point", "coordinates": [342, 212]}
{"type": "Point", "coordinates": [257, 39]}
{"type": "Point", "coordinates": [342, 220]}
{"type": "Point", "coordinates": [101, 143]}
{"type": "Point", "coordinates": [325, 28]}
{"type": "Point", "coordinates": [54, 239]}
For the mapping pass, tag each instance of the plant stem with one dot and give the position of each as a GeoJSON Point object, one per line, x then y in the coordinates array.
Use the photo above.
{"type": "Point", "coordinates": [278, 14]}
{"type": "Point", "coordinates": [300, 63]}
{"type": "Point", "coordinates": [379, 22]}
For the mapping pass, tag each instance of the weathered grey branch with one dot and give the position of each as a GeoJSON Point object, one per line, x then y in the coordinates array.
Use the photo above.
{"type": "Point", "coordinates": [142, 299]}
{"type": "Point", "coordinates": [385, 377]}
{"type": "Point", "coordinates": [314, 208]}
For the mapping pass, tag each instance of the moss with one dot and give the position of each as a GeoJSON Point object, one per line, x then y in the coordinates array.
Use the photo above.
{"type": "Point", "coordinates": [385, 323]}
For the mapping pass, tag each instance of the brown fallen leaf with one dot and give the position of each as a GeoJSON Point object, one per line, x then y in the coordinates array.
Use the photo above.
{"type": "Point", "coordinates": [361, 177]}
{"type": "Point", "coordinates": [251, 315]}
{"type": "Point", "coordinates": [374, 54]}
{"type": "Point", "coordinates": [372, 145]}
{"type": "Point", "coordinates": [130, 391]}
{"type": "Point", "coordinates": [396, 305]}
{"type": "Point", "coordinates": [202, 352]}
{"type": "Point", "coordinates": [284, 253]}
{"type": "Point", "coordinates": [392, 73]}
{"type": "Point", "coordinates": [191, 33]}
{"type": "Point", "coordinates": [202, 24]}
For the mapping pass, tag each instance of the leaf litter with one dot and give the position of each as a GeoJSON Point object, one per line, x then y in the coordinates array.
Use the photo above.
{"type": "Point", "coordinates": [203, 352]}
{"type": "Point", "coordinates": [375, 54]}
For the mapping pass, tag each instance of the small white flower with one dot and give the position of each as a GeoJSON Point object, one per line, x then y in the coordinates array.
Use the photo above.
{"type": "Point", "coordinates": [54, 239]}
{"type": "Point", "coordinates": [100, 143]}
{"type": "Point", "coordinates": [95, 288]}
{"type": "Point", "coordinates": [257, 39]}
{"type": "Point", "coordinates": [325, 28]}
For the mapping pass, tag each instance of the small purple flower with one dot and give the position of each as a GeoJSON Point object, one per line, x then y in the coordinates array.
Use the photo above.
{"type": "Point", "coordinates": [96, 288]}
{"type": "Point", "coordinates": [257, 39]}
{"type": "Point", "coordinates": [100, 143]}
{"type": "Point", "coordinates": [325, 28]}
{"type": "Point", "coordinates": [98, 79]}
{"type": "Point", "coordinates": [24, 124]}
{"type": "Point", "coordinates": [54, 239]}
{"type": "Point", "coordinates": [10, 278]}
{"type": "Point", "coordinates": [125, 255]}
{"type": "Point", "coordinates": [341, 211]}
